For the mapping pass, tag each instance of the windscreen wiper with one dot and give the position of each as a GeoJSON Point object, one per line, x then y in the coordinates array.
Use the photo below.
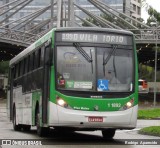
{"type": "Point", "coordinates": [84, 54]}
{"type": "Point", "coordinates": [105, 61]}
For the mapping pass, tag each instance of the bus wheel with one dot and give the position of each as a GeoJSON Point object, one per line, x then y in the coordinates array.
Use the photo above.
{"type": "Point", "coordinates": [15, 127]}
{"type": "Point", "coordinates": [41, 131]}
{"type": "Point", "coordinates": [108, 133]}
{"type": "Point", "coordinates": [26, 128]}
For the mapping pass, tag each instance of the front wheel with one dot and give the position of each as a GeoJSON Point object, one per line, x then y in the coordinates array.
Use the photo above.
{"type": "Point", "coordinates": [15, 126]}
{"type": "Point", "coordinates": [41, 131]}
{"type": "Point", "coordinates": [108, 133]}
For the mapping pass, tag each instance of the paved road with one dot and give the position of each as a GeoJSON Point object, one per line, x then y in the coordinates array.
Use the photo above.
{"type": "Point", "coordinates": [75, 139]}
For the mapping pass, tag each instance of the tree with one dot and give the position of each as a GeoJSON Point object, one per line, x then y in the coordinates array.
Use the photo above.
{"type": "Point", "coordinates": [153, 15]}
{"type": "Point", "coordinates": [4, 67]}
{"type": "Point", "coordinates": [90, 20]}
{"type": "Point", "coordinates": [146, 72]}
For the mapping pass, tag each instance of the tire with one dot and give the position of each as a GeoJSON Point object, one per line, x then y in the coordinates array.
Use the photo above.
{"type": "Point", "coordinates": [15, 127]}
{"type": "Point", "coordinates": [26, 127]}
{"type": "Point", "coordinates": [108, 133]}
{"type": "Point", "coordinates": [41, 131]}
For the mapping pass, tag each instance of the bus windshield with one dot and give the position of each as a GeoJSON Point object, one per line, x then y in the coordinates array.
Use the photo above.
{"type": "Point", "coordinates": [108, 69]}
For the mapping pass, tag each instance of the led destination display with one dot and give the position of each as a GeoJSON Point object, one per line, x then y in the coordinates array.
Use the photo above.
{"type": "Point", "coordinates": [94, 38]}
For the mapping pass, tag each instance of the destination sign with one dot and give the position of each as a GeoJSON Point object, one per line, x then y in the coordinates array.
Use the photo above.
{"type": "Point", "coordinates": [94, 38]}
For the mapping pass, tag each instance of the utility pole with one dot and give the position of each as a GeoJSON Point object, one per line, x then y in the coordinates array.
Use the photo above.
{"type": "Point", "coordinates": [155, 76]}
{"type": "Point", "coordinates": [59, 11]}
{"type": "Point", "coordinates": [155, 66]}
{"type": "Point", "coordinates": [52, 11]}
{"type": "Point", "coordinates": [71, 16]}
{"type": "Point", "coordinates": [7, 1]}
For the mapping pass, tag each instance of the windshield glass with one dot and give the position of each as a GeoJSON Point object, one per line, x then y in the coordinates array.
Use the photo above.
{"type": "Point", "coordinates": [115, 73]}
{"type": "Point", "coordinates": [106, 69]}
{"type": "Point", "coordinates": [74, 71]}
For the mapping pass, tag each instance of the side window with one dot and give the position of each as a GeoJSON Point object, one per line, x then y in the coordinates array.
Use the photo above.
{"type": "Point", "coordinates": [22, 67]}
{"type": "Point", "coordinates": [31, 63]}
{"type": "Point", "coordinates": [42, 55]}
{"type": "Point", "coordinates": [34, 61]}
{"type": "Point", "coordinates": [19, 68]}
{"type": "Point", "coordinates": [38, 58]}
{"type": "Point", "coordinates": [12, 73]}
{"type": "Point", "coordinates": [47, 57]}
{"type": "Point", "coordinates": [16, 70]}
{"type": "Point", "coordinates": [26, 65]}
{"type": "Point", "coordinates": [28, 62]}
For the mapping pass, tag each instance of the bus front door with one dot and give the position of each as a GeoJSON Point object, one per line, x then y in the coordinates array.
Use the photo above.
{"type": "Point", "coordinates": [46, 79]}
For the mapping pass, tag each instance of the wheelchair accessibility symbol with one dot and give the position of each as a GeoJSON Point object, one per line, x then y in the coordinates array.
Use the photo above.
{"type": "Point", "coordinates": [102, 85]}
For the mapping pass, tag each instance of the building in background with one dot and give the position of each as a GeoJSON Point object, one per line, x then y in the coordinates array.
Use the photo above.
{"type": "Point", "coordinates": [1, 2]}
{"type": "Point", "coordinates": [129, 7]}
{"type": "Point", "coordinates": [136, 9]}
{"type": "Point", "coordinates": [120, 5]}
{"type": "Point", "coordinates": [30, 8]}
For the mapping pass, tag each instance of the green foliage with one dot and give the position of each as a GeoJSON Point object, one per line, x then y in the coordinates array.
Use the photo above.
{"type": "Point", "coordinates": [146, 72]}
{"type": "Point", "coordinates": [149, 114]}
{"type": "Point", "coordinates": [153, 15]}
{"type": "Point", "coordinates": [152, 130]}
{"type": "Point", "coordinates": [108, 17]}
{"type": "Point", "coordinates": [122, 23]}
{"type": "Point", "coordinates": [4, 67]}
{"type": "Point", "coordinates": [90, 20]}
{"type": "Point", "coordinates": [154, 48]}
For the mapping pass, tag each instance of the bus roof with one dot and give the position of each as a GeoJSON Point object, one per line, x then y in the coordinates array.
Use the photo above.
{"type": "Point", "coordinates": [48, 36]}
{"type": "Point", "coordinates": [37, 43]}
{"type": "Point", "coordinates": [96, 29]}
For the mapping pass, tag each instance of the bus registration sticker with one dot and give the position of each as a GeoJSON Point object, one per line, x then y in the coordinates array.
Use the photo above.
{"type": "Point", "coordinates": [95, 119]}
{"type": "Point", "coordinates": [83, 85]}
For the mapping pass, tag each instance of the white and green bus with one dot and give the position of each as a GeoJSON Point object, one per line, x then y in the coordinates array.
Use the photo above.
{"type": "Point", "coordinates": [75, 79]}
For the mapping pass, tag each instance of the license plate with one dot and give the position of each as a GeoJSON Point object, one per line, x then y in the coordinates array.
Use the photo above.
{"type": "Point", "coordinates": [95, 119]}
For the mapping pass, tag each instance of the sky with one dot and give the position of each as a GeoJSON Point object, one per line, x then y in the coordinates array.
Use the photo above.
{"type": "Point", "coordinates": [155, 4]}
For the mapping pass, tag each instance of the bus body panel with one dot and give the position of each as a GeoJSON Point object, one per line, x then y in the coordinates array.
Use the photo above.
{"type": "Point", "coordinates": [103, 104]}
{"type": "Point", "coordinates": [53, 118]}
{"type": "Point", "coordinates": [27, 109]}
{"type": "Point", "coordinates": [18, 102]}
{"type": "Point", "coordinates": [8, 104]}
{"type": "Point", "coordinates": [23, 105]}
{"type": "Point", "coordinates": [77, 118]}
{"type": "Point", "coordinates": [36, 99]}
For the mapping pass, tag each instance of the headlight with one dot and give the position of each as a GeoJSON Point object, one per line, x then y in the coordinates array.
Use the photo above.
{"type": "Point", "coordinates": [62, 103]}
{"type": "Point", "coordinates": [128, 105]}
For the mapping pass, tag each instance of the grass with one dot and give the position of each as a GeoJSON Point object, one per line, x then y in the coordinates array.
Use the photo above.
{"type": "Point", "coordinates": [149, 114]}
{"type": "Point", "coordinates": [152, 130]}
